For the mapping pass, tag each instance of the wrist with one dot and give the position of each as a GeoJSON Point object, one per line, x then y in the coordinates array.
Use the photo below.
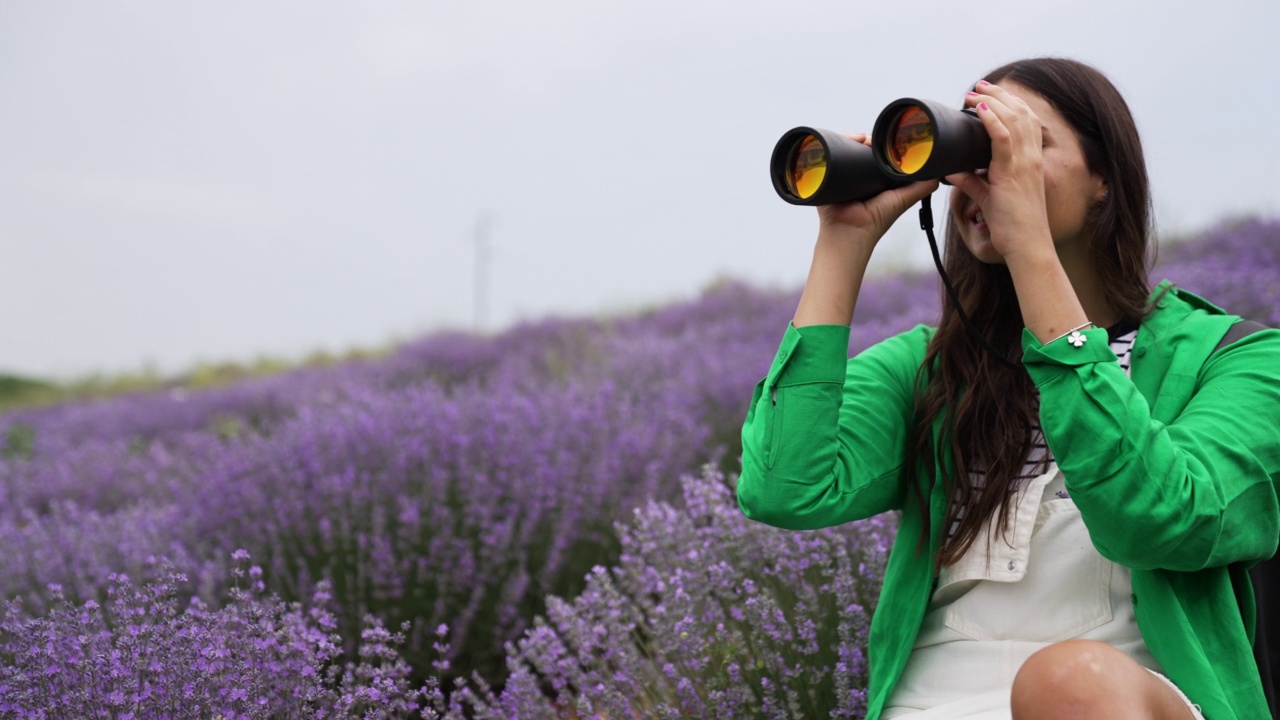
{"type": "Point", "coordinates": [848, 241]}
{"type": "Point", "coordinates": [1033, 259]}
{"type": "Point", "coordinates": [1024, 237]}
{"type": "Point", "coordinates": [839, 262]}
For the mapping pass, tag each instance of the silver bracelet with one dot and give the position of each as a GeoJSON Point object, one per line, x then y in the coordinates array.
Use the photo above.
{"type": "Point", "coordinates": [1077, 339]}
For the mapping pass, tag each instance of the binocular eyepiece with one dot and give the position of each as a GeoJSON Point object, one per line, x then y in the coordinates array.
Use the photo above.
{"type": "Point", "coordinates": [912, 140]}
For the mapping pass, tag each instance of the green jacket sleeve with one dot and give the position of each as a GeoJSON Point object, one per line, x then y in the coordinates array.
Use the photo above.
{"type": "Point", "coordinates": [825, 437]}
{"type": "Point", "coordinates": [1194, 491]}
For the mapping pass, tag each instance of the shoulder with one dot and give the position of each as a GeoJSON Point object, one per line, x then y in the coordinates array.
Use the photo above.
{"type": "Point", "coordinates": [1170, 303]}
{"type": "Point", "coordinates": [907, 346]}
{"type": "Point", "coordinates": [1187, 334]}
{"type": "Point", "coordinates": [895, 360]}
{"type": "Point", "coordinates": [1183, 321]}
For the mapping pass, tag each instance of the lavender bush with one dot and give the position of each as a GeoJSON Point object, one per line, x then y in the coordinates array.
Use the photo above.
{"type": "Point", "coordinates": [457, 482]}
{"type": "Point", "coordinates": [142, 655]}
{"type": "Point", "coordinates": [707, 615]}
{"type": "Point", "coordinates": [438, 499]}
{"type": "Point", "coordinates": [1235, 266]}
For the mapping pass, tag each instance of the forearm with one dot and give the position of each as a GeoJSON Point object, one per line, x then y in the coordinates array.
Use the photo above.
{"type": "Point", "coordinates": [840, 260]}
{"type": "Point", "coordinates": [1049, 304]}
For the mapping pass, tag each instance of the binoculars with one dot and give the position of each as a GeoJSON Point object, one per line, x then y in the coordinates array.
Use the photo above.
{"type": "Point", "coordinates": [912, 140]}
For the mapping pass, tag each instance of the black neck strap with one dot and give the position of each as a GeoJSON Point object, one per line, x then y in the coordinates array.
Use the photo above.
{"type": "Point", "coordinates": [926, 224]}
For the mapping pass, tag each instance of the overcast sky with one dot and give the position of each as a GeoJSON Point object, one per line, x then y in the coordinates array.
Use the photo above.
{"type": "Point", "coordinates": [199, 181]}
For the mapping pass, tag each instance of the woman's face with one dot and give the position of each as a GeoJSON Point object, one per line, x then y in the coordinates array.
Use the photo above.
{"type": "Point", "coordinates": [1070, 189]}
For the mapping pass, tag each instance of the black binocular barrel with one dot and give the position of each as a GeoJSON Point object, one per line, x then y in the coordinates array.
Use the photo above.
{"type": "Point", "coordinates": [811, 166]}
{"type": "Point", "coordinates": [933, 139]}
{"type": "Point", "coordinates": [912, 140]}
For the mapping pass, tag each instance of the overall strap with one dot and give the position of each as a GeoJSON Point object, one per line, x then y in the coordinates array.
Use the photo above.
{"type": "Point", "coordinates": [1265, 578]}
{"type": "Point", "coordinates": [1237, 331]}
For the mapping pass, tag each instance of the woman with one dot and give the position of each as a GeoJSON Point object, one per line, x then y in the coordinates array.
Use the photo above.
{"type": "Point", "coordinates": [1076, 527]}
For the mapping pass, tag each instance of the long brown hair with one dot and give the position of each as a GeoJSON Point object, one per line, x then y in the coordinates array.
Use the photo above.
{"type": "Point", "coordinates": [987, 409]}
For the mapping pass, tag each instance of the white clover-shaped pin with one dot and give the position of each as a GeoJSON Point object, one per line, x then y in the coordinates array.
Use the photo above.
{"type": "Point", "coordinates": [1077, 338]}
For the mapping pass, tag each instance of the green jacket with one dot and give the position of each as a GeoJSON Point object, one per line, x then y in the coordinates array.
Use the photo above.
{"type": "Point", "coordinates": [1173, 469]}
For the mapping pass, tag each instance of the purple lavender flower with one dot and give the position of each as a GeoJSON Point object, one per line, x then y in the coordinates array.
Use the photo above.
{"type": "Point", "coordinates": [709, 615]}
{"type": "Point", "coordinates": [142, 654]}
{"type": "Point", "coordinates": [461, 480]}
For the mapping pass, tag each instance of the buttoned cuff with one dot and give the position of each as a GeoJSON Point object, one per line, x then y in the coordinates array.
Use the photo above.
{"type": "Point", "coordinates": [1090, 346]}
{"type": "Point", "coordinates": [813, 354]}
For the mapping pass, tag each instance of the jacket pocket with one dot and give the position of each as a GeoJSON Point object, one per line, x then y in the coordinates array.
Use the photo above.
{"type": "Point", "coordinates": [772, 405]}
{"type": "Point", "coordinates": [1064, 593]}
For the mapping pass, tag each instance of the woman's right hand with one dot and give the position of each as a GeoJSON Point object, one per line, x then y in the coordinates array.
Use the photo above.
{"type": "Point", "coordinates": [871, 218]}
{"type": "Point", "coordinates": [846, 236]}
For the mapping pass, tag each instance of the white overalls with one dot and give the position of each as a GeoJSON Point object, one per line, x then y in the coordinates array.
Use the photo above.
{"type": "Point", "coordinates": [1041, 582]}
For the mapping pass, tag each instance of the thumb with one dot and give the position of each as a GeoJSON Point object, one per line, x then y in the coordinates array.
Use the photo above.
{"type": "Point", "coordinates": [889, 205]}
{"type": "Point", "coordinates": [973, 185]}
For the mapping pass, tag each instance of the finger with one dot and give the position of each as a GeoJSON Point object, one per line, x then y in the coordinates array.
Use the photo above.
{"type": "Point", "coordinates": [863, 138]}
{"type": "Point", "coordinates": [991, 90]}
{"type": "Point", "coordinates": [1014, 113]}
{"type": "Point", "coordinates": [1004, 103]}
{"type": "Point", "coordinates": [973, 185]}
{"type": "Point", "coordinates": [973, 98]}
{"type": "Point", "coordinates": [915, 192]}
{"type": "Point", "coordinates": [997, 130]}
{"type": "Point", "coordinates": [892, 203]}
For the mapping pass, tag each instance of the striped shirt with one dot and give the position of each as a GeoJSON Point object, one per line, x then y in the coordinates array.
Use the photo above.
{"type": "Point", "coordinates": [1121, 337]}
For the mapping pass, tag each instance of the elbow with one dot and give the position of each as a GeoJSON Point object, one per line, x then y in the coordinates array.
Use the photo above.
{"type": "Point", "coordinates": [782, 503]}
{"type": "Point", "coordinates": [1167, 545]}
{"type": "Point", "coordinates": [1197, 546]}
{"type": "Point", "coordinates": [760, 505]}
{"type": "Point", "coordinates": [1148, 556]}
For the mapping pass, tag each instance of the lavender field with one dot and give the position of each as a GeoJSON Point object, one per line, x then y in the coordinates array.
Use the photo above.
{"type": "Point", "coordinates": [537, 524]}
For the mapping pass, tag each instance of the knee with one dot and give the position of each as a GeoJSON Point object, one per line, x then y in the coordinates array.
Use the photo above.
{"type": "Point", "coordinates": [1071, 679]}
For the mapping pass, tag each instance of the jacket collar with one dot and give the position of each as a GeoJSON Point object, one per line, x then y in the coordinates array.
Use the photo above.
{"type": "Point", "coordinates": [1174, 341]}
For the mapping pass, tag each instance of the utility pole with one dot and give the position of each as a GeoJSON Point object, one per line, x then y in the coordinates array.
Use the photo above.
{"type": "Point", "coordinates": [481, 239]}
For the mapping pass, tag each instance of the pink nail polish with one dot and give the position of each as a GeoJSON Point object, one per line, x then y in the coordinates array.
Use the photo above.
{"type": "Point", "coordinates": [983, 106]}
{"type": "Point", "coordinates": [973, 94]}
{"type": "Point", "coordinates": [983, 83]}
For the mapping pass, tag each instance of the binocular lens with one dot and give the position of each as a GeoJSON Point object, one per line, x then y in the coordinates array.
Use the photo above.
{"type": "Point", "coordinates": [807, 167]}
{"type": "Point", "coordinates": [910, 140]}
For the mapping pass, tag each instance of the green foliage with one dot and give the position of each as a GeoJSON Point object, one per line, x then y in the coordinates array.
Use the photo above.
{"type": "Point", "coordinates": [19, 440]}
{"type": "Point", "coordinates": [19, 392]}
{"type": "Point", "coordinates": [15, 390]}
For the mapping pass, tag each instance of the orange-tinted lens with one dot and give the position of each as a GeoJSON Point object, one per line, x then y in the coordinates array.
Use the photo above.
{"type": "Point", "coordinates": [807, 168]}
{"type": "Point", "coordinates": [911, 141]}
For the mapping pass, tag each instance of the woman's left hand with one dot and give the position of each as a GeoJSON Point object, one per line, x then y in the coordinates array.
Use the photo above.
{"type": "Point", "coordinates": [1011, 192]}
